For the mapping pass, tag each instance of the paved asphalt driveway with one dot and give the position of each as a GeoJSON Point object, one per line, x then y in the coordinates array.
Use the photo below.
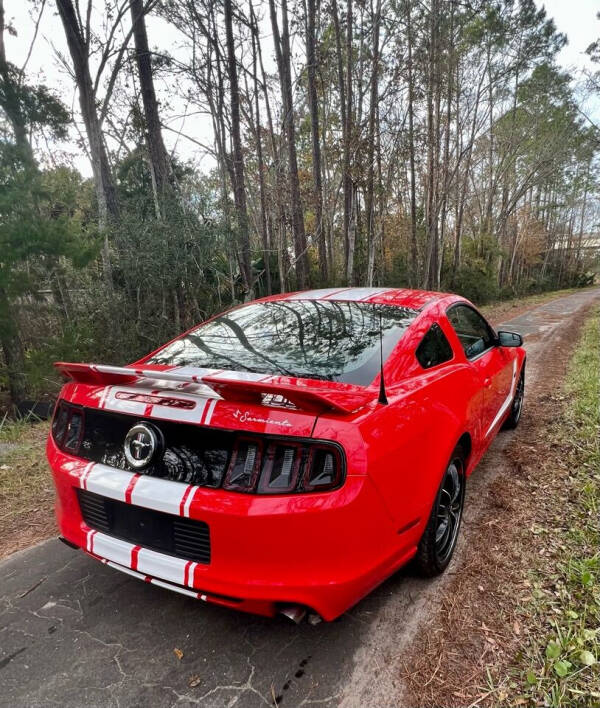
{"type": "Point", "coordinates": [76, 633]}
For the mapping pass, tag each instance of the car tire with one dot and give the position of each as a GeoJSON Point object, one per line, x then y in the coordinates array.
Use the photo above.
{"type": "Point", "coordinates": [438, 541]}
{"type": "Point", "coordinates": [516, 407]}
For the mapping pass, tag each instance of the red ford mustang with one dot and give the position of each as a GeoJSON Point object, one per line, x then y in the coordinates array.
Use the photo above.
{"type": "Point", "coordinates": [291, 453]}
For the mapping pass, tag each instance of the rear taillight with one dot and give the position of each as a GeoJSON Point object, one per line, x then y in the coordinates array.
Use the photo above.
{"type": "Point", "coordinates": [283, 467]}
{"type": "Point", "coordinates": [324, 469]}
{"type": "Point", "coordinates": [280, 469]}
{"type": "Point", "coordinates": [67, 427]}
{"type": "Point", "coordinates": [244, 466]}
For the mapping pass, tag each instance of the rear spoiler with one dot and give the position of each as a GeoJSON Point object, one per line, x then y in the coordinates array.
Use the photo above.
{"type": "Point", "coordinates": [307, 394]}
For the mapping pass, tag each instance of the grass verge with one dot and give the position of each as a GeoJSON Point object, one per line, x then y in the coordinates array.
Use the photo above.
{"type": "Point", "coordinates": [559, 665]}
{"type": "Point", "coordinates": [26, 491]}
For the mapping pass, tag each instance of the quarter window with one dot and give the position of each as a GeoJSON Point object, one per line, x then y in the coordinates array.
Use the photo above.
{"type": "Point", "coordinates": [434, 348]}
{"type": "Point", "coordinates": [474, 333]}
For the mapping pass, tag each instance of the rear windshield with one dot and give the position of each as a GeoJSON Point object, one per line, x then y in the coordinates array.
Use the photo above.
{"type": "Point", "coordinates": [317, 339]}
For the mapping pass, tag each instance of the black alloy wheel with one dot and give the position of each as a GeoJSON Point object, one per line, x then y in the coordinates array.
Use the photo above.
{"type": "Point", "coordinates": [439, 538]}
{"type": "Point", "coordinates": [517, 404]}
{"type": "Point", "coordinates": [449, 511]}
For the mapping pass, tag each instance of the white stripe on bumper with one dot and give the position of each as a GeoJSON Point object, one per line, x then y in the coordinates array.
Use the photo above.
{"type": "Point", "coordinates": [149, 492]}
{"type": "Point", "coordinates": [149, 562]}
{"type": "Point", "coordinates": [160, 494]}
{"type": "Point", "coordinates": [107, 481]}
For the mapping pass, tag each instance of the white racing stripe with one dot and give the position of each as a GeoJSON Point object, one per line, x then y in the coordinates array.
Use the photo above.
{"type": "Point", "coordinates": [112, 549]}
{"type": "Point", "coordinates": [318, 294]}
{"type": "Point", "coordinates": [507, 401]}
{"type": "Point", "coordinates": [88, 540]}
{"type": "Point", "coordinates": [112, 403]}
{"type": "Point", "coordinates": [188, 501]}
{"type": "Point", "coordinates": [159, 494]}
{"type": "Point", "coordinates": [104, 396]}
{"type": "Point", "coordinates": [240, 376]}
{"type": "Point", "coordinates": [113, 400]}
{"type": "Point", "coordinates": [108, 481]}
{"type": "Point", "coordinates": [150, 492]}
{"type": "Point", "coordinates": [196, 371]}
{"type": "Point", "coordinates": [190, 415]}
{"type": "Point", "coordinates": [149, 562]}
{"type": "Point", "coordinates": [209, 411]}
{"type": "Point", "coordinates": [161, 566]}
{"type": "Point", "coordinates": [84, 475]}
{"type": "Point", "coordinates": [357, 294]}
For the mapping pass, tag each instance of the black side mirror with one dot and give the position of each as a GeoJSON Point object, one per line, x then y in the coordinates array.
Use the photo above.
{"type": "Point", "coordinates": [510, 339]}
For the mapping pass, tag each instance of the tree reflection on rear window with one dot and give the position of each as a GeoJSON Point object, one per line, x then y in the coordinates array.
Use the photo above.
{"type": "Point", "coordinates": [334, 341]}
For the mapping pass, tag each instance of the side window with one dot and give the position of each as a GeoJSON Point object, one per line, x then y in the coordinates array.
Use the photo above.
{"type": "Point", "coordinates": [434, 348]}
{"type": "Point", "coordinates": [473, 331]}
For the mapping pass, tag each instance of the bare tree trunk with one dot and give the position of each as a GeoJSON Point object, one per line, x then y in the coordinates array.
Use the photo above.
{"type": "Point", "coordinates": [431, 205]}
{"type": "Point", "coordinates": [239, 185]}
{"type": "Point", "coordinates": [79, 48]}
{"type": "Point", "coordinates": [371, 149]}
{"type": "Point", "coordinates": [349, 197]}
{"type": "Point", "coordinates": [446, 157]}
{"type": "Point", "coordinates": [159, 159]}
{"type": "Point", "coordinates": [462, 194]}
{"type": "Point", "coordinates": [259, 157]}
{"type": "Point", "coordinates": [311, 60]}
{"type": "Point", "coordinates": [342, 91]}
{"type": "Point", "coordinates": [276, 237]}
{"type": "Point", "coordinates": [414, 277]}
{"type": "Point", "coordinates": [578, 257]}
{"type": "Point", "coordinates": [282, 51]}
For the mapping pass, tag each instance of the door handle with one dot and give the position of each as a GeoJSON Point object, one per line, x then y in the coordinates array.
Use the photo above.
{"type": "Point", "coordinates": [487, 382]}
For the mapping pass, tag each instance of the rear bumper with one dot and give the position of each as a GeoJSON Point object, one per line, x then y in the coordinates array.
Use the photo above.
{"type": "Point", "coordinates": [325, 551]}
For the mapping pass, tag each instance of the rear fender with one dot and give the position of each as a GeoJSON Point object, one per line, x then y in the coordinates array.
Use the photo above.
{"type": "Point", "coordinates": [409, 442]}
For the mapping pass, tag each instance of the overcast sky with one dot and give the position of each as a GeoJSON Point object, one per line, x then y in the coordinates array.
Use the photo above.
{"type": "Point", "coordinates": [575, 18]}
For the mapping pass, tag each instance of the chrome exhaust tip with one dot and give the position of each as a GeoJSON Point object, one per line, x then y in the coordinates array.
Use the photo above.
{"type": "Point", "coordinates": [294, 612]}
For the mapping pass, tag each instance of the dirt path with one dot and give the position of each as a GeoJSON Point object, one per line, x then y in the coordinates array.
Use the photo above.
{"type": "Point", "coordinates": [74, 632]}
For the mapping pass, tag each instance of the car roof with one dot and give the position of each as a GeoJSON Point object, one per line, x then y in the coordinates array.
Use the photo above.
{"type": "Point", "coordinates": [401, 297]}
